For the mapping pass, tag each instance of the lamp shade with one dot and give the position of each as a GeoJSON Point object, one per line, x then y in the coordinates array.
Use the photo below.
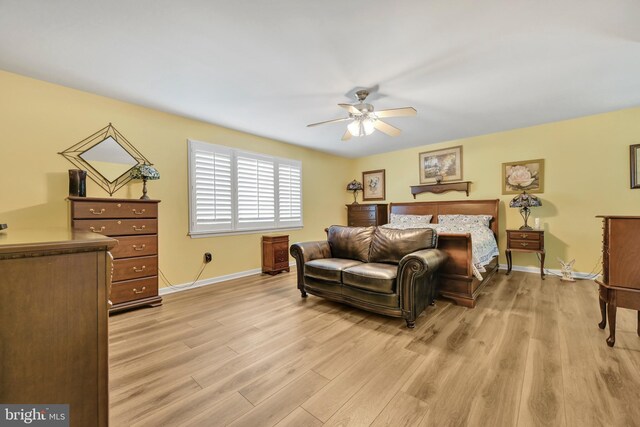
{"type": "Point", "coordinates": [354, 186]}
{"type": "Point", "coordinates": [525, 200]}
{"type": "Point", "coordinates": [146, 172]}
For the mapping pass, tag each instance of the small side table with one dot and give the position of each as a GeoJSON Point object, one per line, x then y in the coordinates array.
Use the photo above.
{"type": "Point", "coordinates": [525, 241]}
{"type": "Point", "coordinates": [275, 254]}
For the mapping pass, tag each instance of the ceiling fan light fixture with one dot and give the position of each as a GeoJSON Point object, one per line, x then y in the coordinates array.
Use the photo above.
{"type": "Point", "coordinates": [361, 126]}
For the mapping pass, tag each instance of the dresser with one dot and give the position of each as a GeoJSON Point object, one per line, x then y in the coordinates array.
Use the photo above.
{"type": "Point", "coordinates": [531, 241]}
{"type": "Point", "coordinates": [366, 215]}
{"type": "Point", "coordinates": [134, 224]}
{"type": "Point", "coordinates": [275, 254]}
{"type": "Point", "coordinates": [53, 317]}
{"type": "Point", "coordinates": [620, 284]}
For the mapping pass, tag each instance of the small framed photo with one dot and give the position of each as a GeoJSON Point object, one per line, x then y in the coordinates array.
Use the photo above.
{"type": "Point", "coordinates": [441, 165]}
{"type": "Point", "coordinates": [527, 175]}
{"type": "Point", "coordinates": [635, 165]}
{"type": "Point", "coordinates": [374, 185]}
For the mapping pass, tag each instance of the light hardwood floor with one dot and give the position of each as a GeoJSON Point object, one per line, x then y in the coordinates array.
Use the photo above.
{"type": "Point", "coordinates": [251, 352]}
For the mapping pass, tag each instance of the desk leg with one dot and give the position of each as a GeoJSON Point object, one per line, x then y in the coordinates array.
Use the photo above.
{"type": "Point", "coordinates": [613, 308]}
{"type": "Point", "coordinates": [508, 255]}
{"type": "Point", "coordinates": [542, 265]}
{"type": "Point", "coordinates": [603, 313]}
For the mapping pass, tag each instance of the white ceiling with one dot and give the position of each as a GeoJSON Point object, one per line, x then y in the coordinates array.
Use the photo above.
{"type": "Point", "coordinates": [271, 67]}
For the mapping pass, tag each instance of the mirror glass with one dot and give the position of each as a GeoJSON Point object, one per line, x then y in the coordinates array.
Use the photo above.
{"type": "Point", "coordinates": [109, 158]}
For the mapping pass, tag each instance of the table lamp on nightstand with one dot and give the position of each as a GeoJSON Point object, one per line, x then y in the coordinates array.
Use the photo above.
{"type": "Point", "coordinates": [525, 201]}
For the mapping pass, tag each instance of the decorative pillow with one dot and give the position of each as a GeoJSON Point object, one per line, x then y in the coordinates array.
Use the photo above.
{"type": "Point", "coordinates": [410, 221]}
{"type": "Point", "coordinates": [350, 242]}
{"type": "Point", "coordinates": [465, 220]}
{"type": "Point", "coordinates": [389, 245]}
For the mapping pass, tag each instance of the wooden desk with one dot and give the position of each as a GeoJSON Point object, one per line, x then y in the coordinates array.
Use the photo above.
{"type": "Point", "coordinates": [525, 241]}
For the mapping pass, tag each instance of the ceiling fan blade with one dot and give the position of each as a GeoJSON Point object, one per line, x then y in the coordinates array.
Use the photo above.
{"type": "Point", "coordinates": [329, 121]}
{"type": "Point", "coordinates": [350, 108]}
{"type": "Point", "coordinates": [396, 112]}
{"type": "Point", "coordinates": [386, 128]}
{"type": "Point", "coordinates": [346, 136]}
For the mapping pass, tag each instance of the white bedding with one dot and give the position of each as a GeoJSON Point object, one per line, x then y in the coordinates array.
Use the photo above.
{"type": "Point", "coordinates": [483, 243]}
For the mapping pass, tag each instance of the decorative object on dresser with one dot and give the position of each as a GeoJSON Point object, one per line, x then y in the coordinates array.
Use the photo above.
{"type": "Point", "coordinates": [53, 311]}
{"type": "Point", "coordinates": [77, 182]}
{"type": "Point", "coordinates": [634, 156]}
{"type": "Point", "coordinates": [366, 215]}
{"type": "Point", "coordinates": [134, 224]}
{"type": "Point", "coordinates": [440, 188]}
{"type": "Point", "coordinates": [107, 157]}
{"type": "Point", "coordinates": [525, 241]}
{"type": "Point", "coordinates": [457, 280]}
{"type": "Point", "coordinates": [275, 254]}
{"type": "Point", "coordinates": [374, 185]}
{"type": "Point", "coordinates": [441, 165]}
{"type": "Point", "coordinates": [525, 202]}
{"type": "Point", "coordinates": [567, 270]}
{"type": "Point", "coordinates": [527, 175]}
{"type": "Point", "coordinates": [145, 173]}
{"type": "Point", "coordinates": [620, 284]}
{"type": "Point", "coordinates": [354, 186]}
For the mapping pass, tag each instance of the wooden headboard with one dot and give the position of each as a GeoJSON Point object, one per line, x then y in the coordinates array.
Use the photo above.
{"type": "Point", "coordinates": [460, 207]}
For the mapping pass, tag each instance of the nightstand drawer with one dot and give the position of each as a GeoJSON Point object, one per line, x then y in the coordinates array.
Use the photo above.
{"type": "Point", "coordinates": [524, 244]}
{"type": "Point", "coordinates": [524, 235]}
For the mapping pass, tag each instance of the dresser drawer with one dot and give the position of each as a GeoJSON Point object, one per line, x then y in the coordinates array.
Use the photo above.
{"type": "Point", "coordinates": [131, 290]}
{"type": "Point", "coordinates": [362, 223]}
{"type": "Point", "coordinates": [132, 268]}
{"type": "Point", "coordinates": [129, 209]}
{"type": "Point", "coordinates": [117, 227]}
{"type": "Point", "coordinates": [524, 235]}
{"type": "Point", "coordinates": [280, 255]}
{"type": "Point", "coordinates": [524, 244]}
{"type": "Point", "coordinates": [135, 246]}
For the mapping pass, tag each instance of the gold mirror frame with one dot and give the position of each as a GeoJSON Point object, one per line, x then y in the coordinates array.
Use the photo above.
{"type": "Point", "coordinates": [92, 154]}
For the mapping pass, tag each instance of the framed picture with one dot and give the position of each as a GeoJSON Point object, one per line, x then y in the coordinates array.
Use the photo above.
{"type": "Point", "coordinates": [441, 165]}
{"type": "Point", "coordinates": [635, 165]}
{"type": "Point", "coordinates": [527, 175]}
{"type": "Point", "coordinates": [374, 185]}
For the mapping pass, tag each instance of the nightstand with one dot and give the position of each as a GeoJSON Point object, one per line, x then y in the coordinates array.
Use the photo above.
{"type": "Point", "coordinates": [275, 254]}
{"type": "Point", "coordinates": [525, 241]}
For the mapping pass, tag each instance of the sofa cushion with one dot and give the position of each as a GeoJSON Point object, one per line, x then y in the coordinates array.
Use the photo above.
{"type": "Point", "coordinates": [350, 242]}
{"type": "Point", "coordinates": [372, 277]}
{"type": "Point", "coordinates": [390, 245]}
{"type": "Point", "coordinates": [328, 269]}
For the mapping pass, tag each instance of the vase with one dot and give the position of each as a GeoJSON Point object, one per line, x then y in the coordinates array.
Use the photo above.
{"type": "Point", "coordinates": [77, 183]}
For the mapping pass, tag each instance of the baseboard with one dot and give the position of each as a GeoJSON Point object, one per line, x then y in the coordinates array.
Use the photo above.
{"type": "Point", "coordinates": [536, 270]}
{"type": "Point", "coordinates": [211, 281]}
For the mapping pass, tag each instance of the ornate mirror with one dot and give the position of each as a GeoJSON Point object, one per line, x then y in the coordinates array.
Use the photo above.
{"type": "Point", "coordinates": [107, 157]}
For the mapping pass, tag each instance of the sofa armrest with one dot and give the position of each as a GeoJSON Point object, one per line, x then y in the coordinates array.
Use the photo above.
{"type": "Point", "coordinates": [305, 252]}
{"type": "Point", "coordinates": [431, 260]}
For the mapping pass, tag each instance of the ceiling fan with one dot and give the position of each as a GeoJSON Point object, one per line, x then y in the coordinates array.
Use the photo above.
{"type": "Point", "coordinates": [364, 120]}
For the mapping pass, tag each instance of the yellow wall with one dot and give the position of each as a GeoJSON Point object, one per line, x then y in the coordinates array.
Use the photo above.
{"type": "Point", "coordinates": [39, 119]}
{"type": "Point", "coordinates": [586, 174]}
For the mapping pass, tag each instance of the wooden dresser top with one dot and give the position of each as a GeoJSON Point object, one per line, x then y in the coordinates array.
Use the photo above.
{"type": "Point", "coordinates": [47, 239]}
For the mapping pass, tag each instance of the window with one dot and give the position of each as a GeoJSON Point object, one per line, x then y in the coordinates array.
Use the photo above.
{"type": "Point", "coordinates": [236, 191]}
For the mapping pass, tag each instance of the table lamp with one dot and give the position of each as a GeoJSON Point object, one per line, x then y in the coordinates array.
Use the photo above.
{"type": "Point", "coordinates": [145, 173]}
{"type": "Point", "coordinates": [525, 201]}
{"type": "Point", "coordinates": [354, 186]}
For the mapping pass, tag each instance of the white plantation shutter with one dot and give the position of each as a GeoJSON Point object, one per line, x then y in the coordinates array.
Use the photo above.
{"type": "Point", "coordinates": [289, 194]}
{"type": "Point", "coordinates": [211, 188]}
{"type": "Point", "coordinates": [233, 190]}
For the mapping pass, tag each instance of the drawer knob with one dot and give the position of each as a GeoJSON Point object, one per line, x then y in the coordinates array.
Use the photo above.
{"type": "Point", "coordinates": [98, 231]}
{"type": "Point", "coordinates": [97, 213]}
{"type": "Point", "coordinates": [139, 248]}
{"type": "Point", "coordinates": [140, 212]}
{"type": "Point", "coordinates": [524, 244]}
{"type": "Point", "coordinates": [524, 236]}
{"type": "Point", "coordinates": [135, 291]}
{"type": "Point", "coordinates": [135, 228]}
{"type": "Point", "coordinates": [139, 270]}
{"type": "Point", "coordinates": [119, 205]}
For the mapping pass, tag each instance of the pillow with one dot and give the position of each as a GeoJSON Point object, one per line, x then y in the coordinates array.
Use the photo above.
{"type": "Point", "coordinates": [350, 242]}
{"type": "Point", "coordinates": [465, 220]}
{"type": "Point", "coordinates": [410, 221]}
{"type": "Point", "coordinates": [389, 245]}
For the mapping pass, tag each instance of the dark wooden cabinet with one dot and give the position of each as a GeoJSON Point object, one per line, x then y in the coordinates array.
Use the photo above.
{"type": "Point", "coordinates": [525, 241]}
{"type": "Point", "coordinates": [366, 215]}
{"type": "Point", "coordinates": [275, 254]}
{"type": "Point", "coordinates": [620, 284]}
{"type": "Point", "coordinates": [53, 317]}
{"type": "Point", "coordinates": [134, 224]}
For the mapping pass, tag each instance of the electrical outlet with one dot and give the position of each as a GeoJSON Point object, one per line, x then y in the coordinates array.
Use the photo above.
{"type": "Point", "coordinates": [207, 257]}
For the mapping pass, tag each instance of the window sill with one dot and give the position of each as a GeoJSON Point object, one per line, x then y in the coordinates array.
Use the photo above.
{"type": "Point", "coordinates": [205, 234]}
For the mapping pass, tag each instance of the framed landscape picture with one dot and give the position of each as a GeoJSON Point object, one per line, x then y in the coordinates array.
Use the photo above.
{"type": "Point", "coordinates": [374, 185]}
{"type": "Point", "coordinates": [445, 164]}
{"type": "Point", "coordinates": [527, 175]}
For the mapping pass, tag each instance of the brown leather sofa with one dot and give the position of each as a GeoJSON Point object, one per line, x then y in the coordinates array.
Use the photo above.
{"type": "Point", "coordinates": [387, 271]}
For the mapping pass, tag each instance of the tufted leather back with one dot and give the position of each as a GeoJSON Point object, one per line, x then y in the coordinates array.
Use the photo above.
{"type": "Point", "coordinates": [390, 245]}
{"type": "Point", "coordinates": [350, 242]}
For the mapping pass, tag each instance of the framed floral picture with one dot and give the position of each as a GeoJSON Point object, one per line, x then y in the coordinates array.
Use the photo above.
{"type": "Point", "coordinates": [527, 175]}
{"type": "Point", "coordinates": [374, 185]}
{"type": "Point", "coordinates": [441, 165]}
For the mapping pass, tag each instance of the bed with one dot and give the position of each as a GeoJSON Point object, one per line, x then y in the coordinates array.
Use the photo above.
{"type": "Point", "coordinates": [457, 279]}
